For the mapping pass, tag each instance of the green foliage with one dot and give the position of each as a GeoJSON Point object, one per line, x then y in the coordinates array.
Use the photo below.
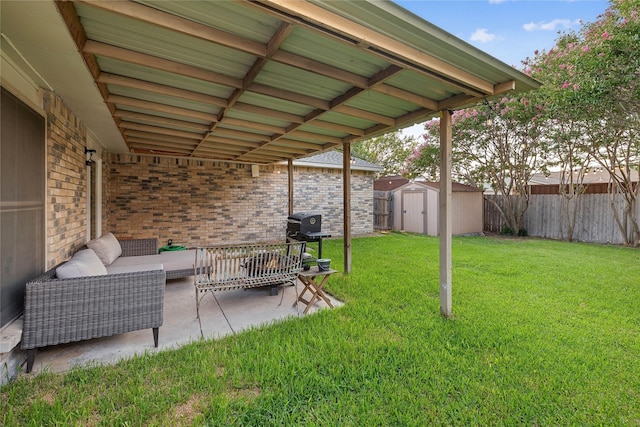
{"type": "Point", "coordinates": [594, 74]}
{"type": "Point", "coordinates": [389, 151]}
{"type": "Point", "coordinates": [541, 331]}
{"type": "Point", "coordinates": [507, 231]}
{"type": "Point", "coordinates": [491, 142]}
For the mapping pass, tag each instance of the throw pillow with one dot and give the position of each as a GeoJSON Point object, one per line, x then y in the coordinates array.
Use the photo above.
{"type": "Point", "coordinates": [83, 263]}
{"type": "Point", "coordinates": [106, 247]}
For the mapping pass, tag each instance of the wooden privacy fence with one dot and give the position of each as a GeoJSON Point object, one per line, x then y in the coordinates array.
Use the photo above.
{"type": "Point", "coordinates": [493, 221]}
{"type": "Point", "coordinates": [546, 218]}
{"type": "Point", "coordinates": [382, 210]}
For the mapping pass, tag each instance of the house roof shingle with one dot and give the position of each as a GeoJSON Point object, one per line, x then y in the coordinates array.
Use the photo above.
{"type": "Point", "coordinates": [333, 159]}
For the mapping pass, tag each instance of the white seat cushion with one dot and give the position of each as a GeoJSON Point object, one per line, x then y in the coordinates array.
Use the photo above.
{"type": "Point", "coordinates": [171, 260]}
{"type": "Point", "coordinates": [83, 263]}
{"type": "Point", "coordinates": [133, 268]}
{"type": "Point", "coordinates": [106, 247]}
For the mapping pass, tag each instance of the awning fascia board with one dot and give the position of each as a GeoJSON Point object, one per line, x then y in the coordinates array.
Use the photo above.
{"type": "Point", "coordinates": [327, 22]}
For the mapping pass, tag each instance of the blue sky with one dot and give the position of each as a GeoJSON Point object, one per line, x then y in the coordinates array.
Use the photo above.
{"type": "Point", "coordinates": [510, 30]}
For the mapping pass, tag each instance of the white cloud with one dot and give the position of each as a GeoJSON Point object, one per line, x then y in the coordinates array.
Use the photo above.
{"type": "Point", "coordinates": [416, 131]}
{"type": "Point", "coordinates": [549, 26]}
{"type": "Point", "coordinates": [496, 1]}
{"type": "Point", "coordinates": [482, 35]}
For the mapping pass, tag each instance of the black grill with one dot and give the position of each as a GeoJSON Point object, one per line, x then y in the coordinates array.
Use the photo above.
{"type": "Point", "coordinates": [303, 226]}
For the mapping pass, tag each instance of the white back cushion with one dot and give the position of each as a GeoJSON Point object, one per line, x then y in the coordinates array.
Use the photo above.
{"type": "Point", "coordinates": [83, 263]}
{"type": "Point", "coordinates": [106, 247]}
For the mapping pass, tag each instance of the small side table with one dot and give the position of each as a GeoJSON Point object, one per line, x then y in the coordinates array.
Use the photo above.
{"type": "Point", "coordinates": [314, 287]}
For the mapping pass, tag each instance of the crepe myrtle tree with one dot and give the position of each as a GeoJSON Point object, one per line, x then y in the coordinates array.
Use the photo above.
{"type": "Point", "coordinates": [497, 143]}
{"type": "Point", "coordinates": [591, 79]}
{"type": "Point", "coordinates": [565, 141]}
{"type": "Point", "coordinates": [564, 131]}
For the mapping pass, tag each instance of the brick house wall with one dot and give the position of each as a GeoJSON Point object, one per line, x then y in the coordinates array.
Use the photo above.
{"type": "Point", "coordinates": [319, 190]}
{"type": "Point", "coordinates": [197, 202]}
{"type": "Point", "coordinates": [66, 181]}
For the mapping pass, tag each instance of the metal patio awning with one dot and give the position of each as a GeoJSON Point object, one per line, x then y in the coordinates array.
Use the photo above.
{"type": "Point", "coordinates": [268, 80]}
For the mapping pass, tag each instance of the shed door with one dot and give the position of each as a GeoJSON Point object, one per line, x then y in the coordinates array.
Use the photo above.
{"type": "Point", "coordinates": [413, 212]}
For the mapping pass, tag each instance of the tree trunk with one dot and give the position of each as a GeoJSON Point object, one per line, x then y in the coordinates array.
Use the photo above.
{"type": "Point", "coordinates": [512, 211]}
{"type": "Point", "coordinates": [622, 224]}
{"type": "Point", "coordinates": [569, 210]}
{"type": "Point", "coordinates": [634, 231]}
{"type": "Point", "coordinates": [568, 224]}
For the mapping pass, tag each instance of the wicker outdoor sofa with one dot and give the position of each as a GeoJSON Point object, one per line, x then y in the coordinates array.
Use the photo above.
{"type": "Point", "coordinates": [129, 297]}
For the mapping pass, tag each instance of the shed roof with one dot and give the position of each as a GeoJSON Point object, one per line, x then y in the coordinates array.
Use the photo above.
{"type": "Point", "coordinates": [456, 187]}
{"type": "Point", "coordinates": [433, 185]}
{"type": "Point", "coordinates": [389, 183]}
{"type": "Point", "coordinates": [256, 81]}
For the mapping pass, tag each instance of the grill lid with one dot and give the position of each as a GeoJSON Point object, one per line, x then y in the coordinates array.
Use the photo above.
{"type": "Point", "coordinates": [300, 216]}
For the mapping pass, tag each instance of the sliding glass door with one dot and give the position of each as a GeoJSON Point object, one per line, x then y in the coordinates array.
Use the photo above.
{"type": "Point", "coordinates": [22, 202]}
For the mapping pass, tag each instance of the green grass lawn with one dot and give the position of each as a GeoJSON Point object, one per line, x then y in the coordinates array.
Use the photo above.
{"type": "Point", "coordinates": [543, 333]}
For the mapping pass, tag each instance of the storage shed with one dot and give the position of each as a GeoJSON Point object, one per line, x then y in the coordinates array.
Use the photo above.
{"type": "Point", "coordinates": [415, 205]}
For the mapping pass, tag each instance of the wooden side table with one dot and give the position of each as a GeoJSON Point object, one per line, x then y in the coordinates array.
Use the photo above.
{"type": "Point", "coordinates": [314, 287]}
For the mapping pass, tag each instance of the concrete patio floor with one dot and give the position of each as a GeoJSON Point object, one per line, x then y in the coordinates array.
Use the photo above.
{"type": "Point", "coordinates": [241, 309]}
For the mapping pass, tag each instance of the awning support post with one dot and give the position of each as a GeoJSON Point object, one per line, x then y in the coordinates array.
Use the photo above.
{"type": "Point", "coordinates": [346, 187]}
{"type": "Point", "coordinates": [290, 180]}
{"type": "Point", "coordinates": [445, 221]}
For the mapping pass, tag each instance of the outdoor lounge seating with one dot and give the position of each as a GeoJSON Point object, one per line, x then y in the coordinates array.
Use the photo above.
{"type": "Point", "coordinates": [246, 266]}
{"type": "Point", "coordinates": [82, 298]}
{"type": "Point", "coordinates": [60, 311]}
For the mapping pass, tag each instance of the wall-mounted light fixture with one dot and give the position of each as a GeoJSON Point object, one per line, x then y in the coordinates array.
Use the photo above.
{"type": "Point", "coordinates": [90, 152]}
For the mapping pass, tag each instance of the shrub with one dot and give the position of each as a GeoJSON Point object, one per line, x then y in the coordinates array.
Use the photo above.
{"type": "Point", "coordinates": [506, 230]}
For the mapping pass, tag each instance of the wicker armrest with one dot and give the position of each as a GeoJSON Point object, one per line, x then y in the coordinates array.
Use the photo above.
{"type": "Point", "coordinates": [137, 247]}
{"type": "Point", "coordinates": [66, 310]}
